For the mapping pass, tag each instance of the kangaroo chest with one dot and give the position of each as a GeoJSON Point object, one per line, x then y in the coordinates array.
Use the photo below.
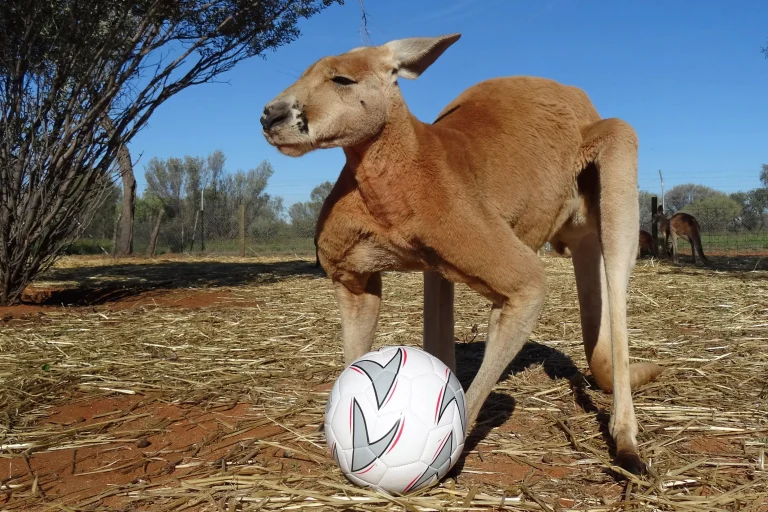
{"type": "Point", "coordinates": [388, 197]}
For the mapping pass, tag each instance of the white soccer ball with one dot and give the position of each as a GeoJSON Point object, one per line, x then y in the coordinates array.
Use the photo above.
{"type": "Point", "coordinates": [396, 420]}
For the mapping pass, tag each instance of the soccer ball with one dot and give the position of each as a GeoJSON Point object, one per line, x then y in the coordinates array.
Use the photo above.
{"type": "Point", "coordinates": [396, 420]}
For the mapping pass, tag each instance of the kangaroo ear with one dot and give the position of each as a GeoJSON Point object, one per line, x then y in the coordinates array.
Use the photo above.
{"type": "Point", "coordinates": [414, 55]}
{"type": "Point", "coordinates": [660, 209]}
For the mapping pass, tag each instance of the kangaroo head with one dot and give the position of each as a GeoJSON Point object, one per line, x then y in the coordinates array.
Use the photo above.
{"type": "Point", "coordinates": [345, 100]}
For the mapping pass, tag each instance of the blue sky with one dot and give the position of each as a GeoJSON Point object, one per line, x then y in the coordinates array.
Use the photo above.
{"type": "Point", "coordinates": [688, 76]}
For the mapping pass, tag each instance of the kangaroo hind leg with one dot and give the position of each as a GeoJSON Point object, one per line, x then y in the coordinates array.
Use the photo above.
{"type": "Point", "coordinates": [615, 157]}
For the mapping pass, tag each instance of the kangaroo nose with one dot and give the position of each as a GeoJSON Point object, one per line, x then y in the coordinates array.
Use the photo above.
{"type": "Point", "coordinates": [275, 114]}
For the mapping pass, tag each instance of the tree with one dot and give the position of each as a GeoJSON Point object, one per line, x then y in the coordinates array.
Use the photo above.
{"type": "Point", "coordinates": [764, 175]}
{"type": "Point", "coordinates": [165, 180]}
{"type": "Point", "coordinates": [196, 178]}
{"type": "Point", "coordinates": [304, 215]}
{"type": "Point", "coordinates": [147, 206]}
{"type": "Point", "coordinates": [124, 240]}
{"type": "Point", "coordinates": [680, 196]}
{"type": "Point", "coordinates": [646, 215]}
{"type": "Point", "coordinates": [215, 162]}
{"type": "Point", "coordinates": [320, 193]}
{"type": "Point", "coordinates": [303, 219]}
{"type": "Point", "coordinates": [103, 223]}
{"type": "Point", "coordinates": [248, 188]}
{"type": "Point", "coordinates": [715, 213]}
{"type": "Point", "coordinates": [754, 208]}
{"type": "Point", "coordinates": [215, 173]}
{"type": "Point", "coordinates": [66, 65]}
{"type": "Point", "coordinates": [178, 183]}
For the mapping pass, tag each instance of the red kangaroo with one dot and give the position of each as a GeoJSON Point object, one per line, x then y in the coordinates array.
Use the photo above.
{"type": "Point", "coordinates": [512, 163]}
{"type": "Point", "coordinates": [647, 244]}
{"type": "Point", "coordinates": [680, 225]}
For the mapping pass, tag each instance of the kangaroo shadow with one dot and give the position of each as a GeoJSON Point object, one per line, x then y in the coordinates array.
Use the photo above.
{"type": "Point", "coordinates": [736, 263]}
{"type": "Point", "coordinates": [498, 407]}
{"type": "Point", "coordinates": [747, 268]}
{"type": "Point", "coordinates": [102, 284]}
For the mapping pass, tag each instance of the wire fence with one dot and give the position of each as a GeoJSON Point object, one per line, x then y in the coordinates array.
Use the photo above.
{"type": "Point", "coordinates": [251, 230]}
{"type": "Point", "coordinates": [225, 230]}
{"type": "Point", "coordinates": [723, 230]}
{"type": "Point", "coordinates": [243, 229]}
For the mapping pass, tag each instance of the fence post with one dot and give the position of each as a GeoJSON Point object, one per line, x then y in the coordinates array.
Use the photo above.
{"type": "Point", "coordinates": [654, 226]}
{"type": "Point", "coordinates": [202, 231]}
{"type": "Point", "coordinates": [202, 220]}
{"type": "Point", "coordinates": [194, 231]}
{"type": "Point", "coordinates": [241, 219]}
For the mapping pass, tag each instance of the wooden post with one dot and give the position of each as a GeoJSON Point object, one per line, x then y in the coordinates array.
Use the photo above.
{"type": "Point", "coordinates": [438, 318]}
{"type": "Point", "coordinates": [202, 220]}
{"type": "Point", "coordinates": [654, 226]}
{"type": "Point", "coordinates": [155, 233]}
{"type": "Point", "coordinates": [202, 231]}
{"type": "Point", "coordinates": [194, 231]}
{"type": "Point", "coordinates": [242, 229]}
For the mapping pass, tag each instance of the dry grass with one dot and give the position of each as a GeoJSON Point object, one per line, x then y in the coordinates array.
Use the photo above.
{"type": "Point", "coordinates": [267, 335]}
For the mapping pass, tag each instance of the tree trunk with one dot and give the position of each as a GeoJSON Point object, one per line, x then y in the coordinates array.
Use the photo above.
{"type": "Point", "coordinates": [155, 233]}
{"type": "Point", "coordinates": [125, 229]}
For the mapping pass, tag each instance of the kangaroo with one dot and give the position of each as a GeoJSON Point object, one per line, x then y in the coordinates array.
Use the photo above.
{"type": "Point", "coordinates": [647, 244]}
{"type": "Point", "coordinates": [510, 164]}
{"type": "Point", "coordinates": [680, 225]}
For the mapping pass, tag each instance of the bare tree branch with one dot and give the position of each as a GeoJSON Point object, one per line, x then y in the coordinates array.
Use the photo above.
{"type": "Point", "coordinates": [66, 66]}
{"type": "Point", "coordinates": [364, 25]}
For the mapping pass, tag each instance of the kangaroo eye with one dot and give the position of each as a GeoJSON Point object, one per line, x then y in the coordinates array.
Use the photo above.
{"type": "Point", "coordinates": [342, 80]}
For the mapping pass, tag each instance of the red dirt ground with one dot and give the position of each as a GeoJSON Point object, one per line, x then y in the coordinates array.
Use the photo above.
{"type": "Point", "coordinates": [186, 435]}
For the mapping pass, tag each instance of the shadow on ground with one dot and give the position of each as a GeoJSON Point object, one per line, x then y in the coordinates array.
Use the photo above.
{"type": "Point", "coordinates": [498, 408]}
{"type": "Point", "coordinates": [112, 283]}
{"type": "Point", "coordinates": [742, 266]}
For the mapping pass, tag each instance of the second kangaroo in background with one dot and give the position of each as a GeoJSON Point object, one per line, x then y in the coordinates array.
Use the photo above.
{"type": "Point", "coordinates": [680, 225]}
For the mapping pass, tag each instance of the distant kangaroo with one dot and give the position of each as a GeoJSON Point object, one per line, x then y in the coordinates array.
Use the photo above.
{"type": "Point", "coordinates": [680, 225]}
{"type": "Point", "coordinates": [647, 244]}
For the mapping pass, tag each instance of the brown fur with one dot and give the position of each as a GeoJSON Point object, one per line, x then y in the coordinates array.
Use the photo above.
{"type": "Point", "coordinates": [680, 225]}
{"type": "Point", "coordinates": [510, 164]}
{"type": "Point", "coordinates": [647, 244]}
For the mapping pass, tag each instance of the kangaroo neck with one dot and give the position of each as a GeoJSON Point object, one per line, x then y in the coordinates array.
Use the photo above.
{"type": "Point", "coordinates": [387, 170]}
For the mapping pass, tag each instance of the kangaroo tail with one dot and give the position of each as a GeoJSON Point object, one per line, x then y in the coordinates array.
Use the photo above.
{"type": "Point", "coordinates": [639, 374]}
{"type": "Point", "coordinates": [697, 242]}
{"type": "Point", "coordinates": [643, 373]}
